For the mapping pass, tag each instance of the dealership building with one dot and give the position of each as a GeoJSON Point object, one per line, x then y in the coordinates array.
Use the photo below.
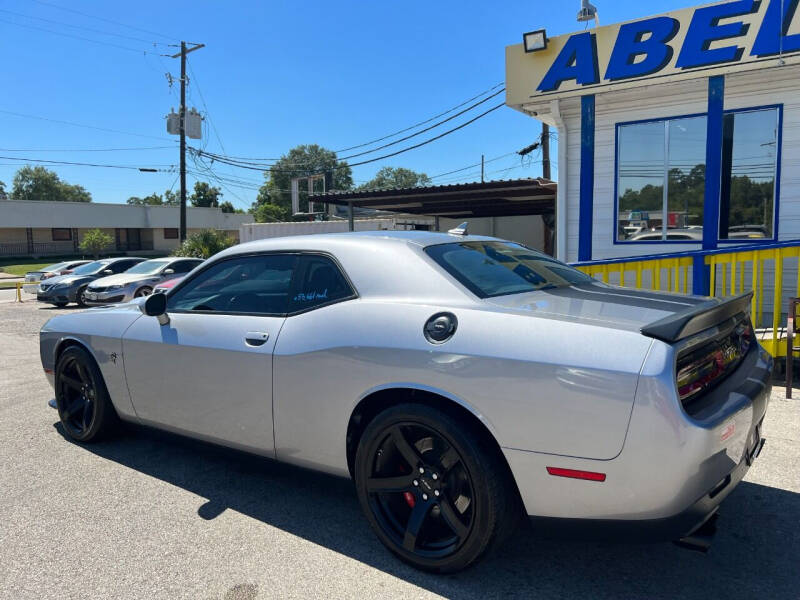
{"type": "Point", "coordinates": [676, 133]}
{"type": "Point", "coordinates": [41, 228]}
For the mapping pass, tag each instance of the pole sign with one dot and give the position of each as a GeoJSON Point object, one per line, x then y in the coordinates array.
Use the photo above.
{"type": "Point", "coordinates": [696, 42]}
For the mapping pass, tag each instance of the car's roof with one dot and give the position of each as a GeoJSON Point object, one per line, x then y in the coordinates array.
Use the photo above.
{"type": "Point", "coordinates": [356, 238]}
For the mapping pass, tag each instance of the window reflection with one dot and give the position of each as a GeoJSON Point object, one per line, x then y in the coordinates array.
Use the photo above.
{"type": "Point", "coordinates": [749, 159]}
{"type": "Point", "coordinates": [662, 171]}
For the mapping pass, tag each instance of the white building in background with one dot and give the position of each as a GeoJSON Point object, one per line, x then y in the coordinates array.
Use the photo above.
{"type": "Point", "coordinates": [39, 228]}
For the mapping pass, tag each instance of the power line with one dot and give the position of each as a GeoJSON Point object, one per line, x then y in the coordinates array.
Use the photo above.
{"type": "Point", "coordinates": [89, 29]}
{"type": "Point", "coordinates": [77, 37]}
{"type": "Point", "coordinates": [433, 118]}
{"type": "Point", "coordinates": [205, 106]}
{"type": "Point", "coordinates": [139, 148]}
{"type": "Point", "coordinates": [472, 166]}
{"type": "Point", "coordinates": [16, 114]}
{"type": "Point", "coordinates": [83, 14]}
{"type": "Point", "coordinates": [80, 164]}
{"type": "Point", "coordinates": [356, 164]}
{"type": "Point", "coordinates": [421, 131]}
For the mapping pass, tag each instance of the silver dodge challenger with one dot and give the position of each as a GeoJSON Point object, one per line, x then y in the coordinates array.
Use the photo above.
{"type": "Point", "coordinates": [463, 382]}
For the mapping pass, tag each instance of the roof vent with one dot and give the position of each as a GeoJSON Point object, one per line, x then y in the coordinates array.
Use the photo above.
{"type": "Point", "coordinates": [460, 230]}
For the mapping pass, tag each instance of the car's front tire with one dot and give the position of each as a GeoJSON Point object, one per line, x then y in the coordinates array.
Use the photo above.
{"type": "Point", "coordinates": [80, 296]}
{"type": "Point", "coordinates": [82, 399]}
{"type": "Point", "coordinates": [143, 291]}
{"type": "Point", "coordinates": [433, 488]}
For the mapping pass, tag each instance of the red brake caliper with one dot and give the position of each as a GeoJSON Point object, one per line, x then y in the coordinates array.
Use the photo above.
{"type": "Point", "coordinates": [410, 500]}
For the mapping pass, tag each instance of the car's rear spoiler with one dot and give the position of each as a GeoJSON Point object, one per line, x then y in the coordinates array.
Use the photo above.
{"type": "Point", "coordinates": [697, 318]}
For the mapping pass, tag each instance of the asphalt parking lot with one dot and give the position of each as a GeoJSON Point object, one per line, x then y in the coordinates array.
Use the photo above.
{"type": "Point", "coordinates": [149, 515]}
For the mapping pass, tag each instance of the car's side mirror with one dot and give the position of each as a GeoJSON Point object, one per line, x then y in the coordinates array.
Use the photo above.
{"type": "Point", "coordinates": [156, 306]}
{"type": "Point", "coordinates": [108, 272]}
{"type": "Point", "coordinates": [169, 271]}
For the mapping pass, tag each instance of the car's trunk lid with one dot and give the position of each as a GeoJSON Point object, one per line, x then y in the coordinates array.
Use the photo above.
{"type": "Point", "coordinates": [604, 305]}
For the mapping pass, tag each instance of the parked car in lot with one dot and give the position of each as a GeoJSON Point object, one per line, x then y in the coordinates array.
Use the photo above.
{"type": "Point", "coordinates": [33, 278]}
{"type": "Point", "coordinates": [137, 281]}
{"type": "Point", "coordinates": [480, 382]}
{"type": "Point", "coordinates": [167, 285]}
{"type": "Point", "coordinates": [62, 290]}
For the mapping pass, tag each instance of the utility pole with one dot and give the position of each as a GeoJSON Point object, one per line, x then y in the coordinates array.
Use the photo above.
{"type": "Point", "coordinates": [482, 164]}
{"type": "Point", "coordinates": [545, 150]}
{"type": "Point", "coordinates": [182, 54]}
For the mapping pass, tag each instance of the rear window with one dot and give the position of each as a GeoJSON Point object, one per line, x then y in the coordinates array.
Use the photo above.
{"type": "Point", "coordinates": [489, 269]}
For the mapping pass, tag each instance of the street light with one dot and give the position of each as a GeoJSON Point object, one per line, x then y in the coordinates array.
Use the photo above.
{"type": "Point", "coordinates": [535, 40]}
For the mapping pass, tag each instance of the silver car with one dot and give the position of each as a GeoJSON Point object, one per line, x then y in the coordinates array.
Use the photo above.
{"type": "Point", "coordinates": [33, 278]}
{"type": "Point", "coordinates": [138, 281]}
{"type": "Point", "coordinates": [461, 381]}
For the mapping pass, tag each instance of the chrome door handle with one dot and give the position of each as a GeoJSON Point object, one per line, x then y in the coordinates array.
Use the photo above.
{"type": "Point", "coordinates": [256, 338]}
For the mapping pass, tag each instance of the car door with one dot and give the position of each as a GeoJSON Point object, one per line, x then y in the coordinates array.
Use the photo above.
{"type": "Point", "coordinates": [208, 372]}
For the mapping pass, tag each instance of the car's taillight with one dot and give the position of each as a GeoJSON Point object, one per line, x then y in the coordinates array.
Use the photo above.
{"type": "Point", "coordinates": [700, 369]}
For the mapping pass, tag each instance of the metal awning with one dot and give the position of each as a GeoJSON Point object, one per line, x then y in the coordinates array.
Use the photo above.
{"type": "Point", "coordinates": [464, 200]}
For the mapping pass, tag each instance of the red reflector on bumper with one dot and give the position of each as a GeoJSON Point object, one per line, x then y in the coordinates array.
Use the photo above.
{"type": "Point", "coordinates": [574, 474]}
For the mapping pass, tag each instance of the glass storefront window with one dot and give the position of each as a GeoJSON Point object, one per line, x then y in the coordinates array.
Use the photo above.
{"type": "Point", "coordinates": [749, 169]}
{"type": "Point", "coordinates": [661, 174]}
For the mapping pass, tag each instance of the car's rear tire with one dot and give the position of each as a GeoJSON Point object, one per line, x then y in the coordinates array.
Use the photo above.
{"type": "Point", "coordinates": [434, 489]}
{"type": "Point", "coordinates": [80, 296]}
{"type": "Point", "coordinates": [82, 399]}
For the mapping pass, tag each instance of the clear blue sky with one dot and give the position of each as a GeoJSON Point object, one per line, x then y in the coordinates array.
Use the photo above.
{"type": "Point", "coordinates": [273, 75]}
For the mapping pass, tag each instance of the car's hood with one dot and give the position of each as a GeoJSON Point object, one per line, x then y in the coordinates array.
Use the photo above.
{"type": "Point", "coordinates": [600, 304]}
{"type": "Point", "coordinates": [124, 279]}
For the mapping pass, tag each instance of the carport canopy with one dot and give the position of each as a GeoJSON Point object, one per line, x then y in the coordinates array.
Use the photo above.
{"type": "Point", "coordinates": [508, 198]}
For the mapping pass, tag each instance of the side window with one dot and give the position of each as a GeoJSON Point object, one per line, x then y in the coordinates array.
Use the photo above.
{"type": "Point", "coordinates": [183, 266]}
{"type": "Point", "coordinates": [121, 266]}
{"type": "Point", "coordinates": [248, 285]}
{"type": "Point", "coordinates": [320, 282]}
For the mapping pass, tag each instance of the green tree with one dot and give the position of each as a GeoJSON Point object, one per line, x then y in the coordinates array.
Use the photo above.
{"type": "Point", "coordinates": [3, 195]}
{"type": "Point", "coordinates": [204, 244]}
{"type": "Point", "coordinates": [300, 161]}
{"type": "Point", "coordinates": [270, 213]}
{"type": "Point", "coordinates": [172, 198]}
{"type": "Point", "coordinates": [396, 177]}
{"type": "Point", "coordinates": [95, 241]}
{"type": "Point", "coordinates": [204, 195]}
{"type": "Point", "coordinates": [227, 207]}
{"type": "Point", "coordinates": [151, 200]}
{"type": "Point", "coordinates": [38, 183]}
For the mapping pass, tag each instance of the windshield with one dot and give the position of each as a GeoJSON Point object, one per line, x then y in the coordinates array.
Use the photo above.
{"type": "Point", "coordinates": [91, 268]}
{"type": "Point", "coordinates": [147, 267]}
{"type": "Point", "coordinates": [55, 267]}
{"type": "Point", "coordinates": [490, 269]}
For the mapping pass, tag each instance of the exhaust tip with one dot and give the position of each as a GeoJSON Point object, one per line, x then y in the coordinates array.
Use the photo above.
{"type": "Point", "coordinates": [700, 539]}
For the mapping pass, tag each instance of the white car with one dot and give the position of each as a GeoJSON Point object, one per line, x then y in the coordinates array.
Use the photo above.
{"type": "Point", "coordinates": [33, 278]}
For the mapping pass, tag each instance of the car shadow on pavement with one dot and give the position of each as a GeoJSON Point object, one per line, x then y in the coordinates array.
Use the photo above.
{"type": "Point", "coordinates": [755, 552]}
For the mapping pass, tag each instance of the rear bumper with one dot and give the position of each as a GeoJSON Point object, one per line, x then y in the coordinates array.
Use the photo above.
{"type": "Point", "coordinates": [666, 529]}
{"type": "Point", "coordinates": [674, 469]}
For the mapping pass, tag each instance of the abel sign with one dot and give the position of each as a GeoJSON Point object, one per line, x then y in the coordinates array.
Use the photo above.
{"type": "Point", "coordinates": [694, 42]}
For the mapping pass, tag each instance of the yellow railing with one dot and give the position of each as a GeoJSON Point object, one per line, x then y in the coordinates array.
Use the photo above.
{"type": "Point", "coordinates": [741, 271]}
{"type": "Point", "coordinates": [731, 272]}
{"type": "Point", "coordinates": [668, 274]}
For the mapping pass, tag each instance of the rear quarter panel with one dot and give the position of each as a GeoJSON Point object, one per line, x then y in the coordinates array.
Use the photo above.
{"type": "Point", "coordinates": [538, 384]}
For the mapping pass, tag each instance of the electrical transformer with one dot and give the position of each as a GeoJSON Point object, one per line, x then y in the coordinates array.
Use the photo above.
{"type": "Point", "coordinates": [194, 123]}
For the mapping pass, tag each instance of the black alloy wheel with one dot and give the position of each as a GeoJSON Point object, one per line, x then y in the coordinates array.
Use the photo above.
{"type": "Point", "coordinates": [435, 495]}
{"type": "Point", "coordinates": [84, 406]}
